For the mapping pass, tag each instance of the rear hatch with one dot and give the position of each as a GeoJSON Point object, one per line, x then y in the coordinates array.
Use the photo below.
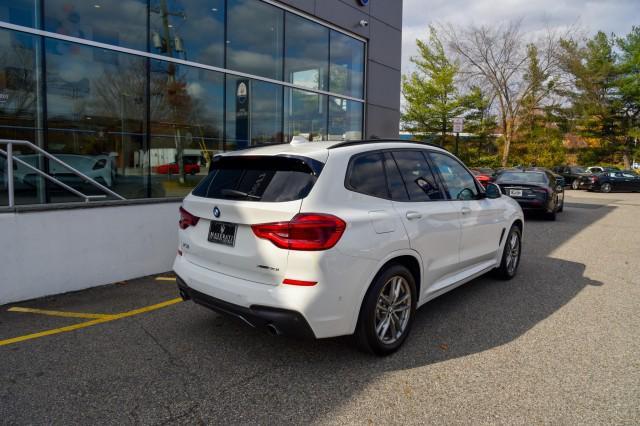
{"type": "Point", "coordinates": [241, 191]}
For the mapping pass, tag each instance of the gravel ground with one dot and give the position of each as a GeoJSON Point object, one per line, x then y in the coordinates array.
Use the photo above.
{"type": "Point", "coordinates": [560, 344]}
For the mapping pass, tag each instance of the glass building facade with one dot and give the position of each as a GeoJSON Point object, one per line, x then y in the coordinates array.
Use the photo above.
{"type": "Point", "coordinates": [140, 94]}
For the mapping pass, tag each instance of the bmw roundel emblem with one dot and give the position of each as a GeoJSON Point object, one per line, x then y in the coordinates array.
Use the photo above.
{"type": "Point", "coordinates": [364, 2]}
{"type": "Point", "coordinates": [216, 211]}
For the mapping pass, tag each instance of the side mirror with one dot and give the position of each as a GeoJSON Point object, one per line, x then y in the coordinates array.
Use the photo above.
{"type": "Point", "coordinates": [493, 191]}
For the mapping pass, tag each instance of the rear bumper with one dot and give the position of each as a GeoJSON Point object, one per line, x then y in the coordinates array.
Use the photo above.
{"type": "Point", "coordinates": [278, 321]}
{"type": "Point", "coordinates": [532, 204]}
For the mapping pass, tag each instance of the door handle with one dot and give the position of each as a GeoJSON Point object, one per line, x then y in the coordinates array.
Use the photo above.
{"type": "Point", "coordinates": [413, 215]}
{"type": "Point", "coordinates": [465, 210]}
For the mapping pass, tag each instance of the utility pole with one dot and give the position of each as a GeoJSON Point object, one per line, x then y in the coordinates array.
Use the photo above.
{"type": "Point", "coordinates": [167, 45]}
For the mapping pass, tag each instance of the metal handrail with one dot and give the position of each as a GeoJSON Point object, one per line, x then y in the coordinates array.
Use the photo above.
{"type": "Point", "coordinates": [10, 159]}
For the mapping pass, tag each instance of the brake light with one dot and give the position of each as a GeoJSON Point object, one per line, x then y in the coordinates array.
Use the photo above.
{"type": "Point", "coordinates": [594, 179]}
{"type": "Point", "coordinates": [306, 231]}
{"type": "Point", "coordinates": [187, 219]}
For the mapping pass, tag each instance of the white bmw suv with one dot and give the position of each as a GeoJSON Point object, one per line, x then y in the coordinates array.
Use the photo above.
{"type": "Point", "coordinates": [326, 239]}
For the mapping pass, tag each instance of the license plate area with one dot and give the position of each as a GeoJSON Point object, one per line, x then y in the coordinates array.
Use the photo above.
{"type": "Point", "coordinates": [222, 233]}
{"type": "Point", "coordinates": [515, 192]}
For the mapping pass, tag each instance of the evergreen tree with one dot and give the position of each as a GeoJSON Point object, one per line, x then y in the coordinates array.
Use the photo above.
{"type": "Point", "coordinates": [432, 98]}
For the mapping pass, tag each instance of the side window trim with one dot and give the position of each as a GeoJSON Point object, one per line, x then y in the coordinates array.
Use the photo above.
{"type": "Point", "coordinates": [386, 174]}
{"type": "Point", "coordinates": [441, 179]}
{"type": "Point", "coordinates": [352, 160]}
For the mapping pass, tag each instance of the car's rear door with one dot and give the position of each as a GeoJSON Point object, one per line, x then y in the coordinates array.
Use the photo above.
{"type": "Point", "coordinates": [432, 222]}
{"type": "Point", "coordinates": [481, 219]}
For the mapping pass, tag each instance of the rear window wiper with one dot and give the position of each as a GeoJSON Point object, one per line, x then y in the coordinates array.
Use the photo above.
{"type": "Point", "coordinates": [236, 193]}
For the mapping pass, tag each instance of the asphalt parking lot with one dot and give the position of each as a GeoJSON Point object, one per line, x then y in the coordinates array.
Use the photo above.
{"type": "Point", "coordinates": [559, 344]}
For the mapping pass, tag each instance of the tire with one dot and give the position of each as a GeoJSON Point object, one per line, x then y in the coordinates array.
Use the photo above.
{"type": "Point", "coordinates": [606, 187]}
{"type": "Point", "coordinates": [375, 312]}
{"type": "Point", "coordinates": [575, 185]}
{"type": "Point", "coordinates": [508, 266]}
{"type": "Point", "coordinates": [551, 216]}
{"type": "Point", "coordinates": [561, 208]}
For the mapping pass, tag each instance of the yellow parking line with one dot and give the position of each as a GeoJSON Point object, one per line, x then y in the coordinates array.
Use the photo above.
{"type": "Point", "coordinates": [102, 320]}
{"type": "Point", "coordinates": [165, 278]}
{"type": "Point", "coordinates": [58, 313]}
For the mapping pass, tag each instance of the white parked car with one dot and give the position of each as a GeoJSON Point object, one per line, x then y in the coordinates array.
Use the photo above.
{"type": "Point", "coordinates": [325, 239]}
{"type": "Point", "coordinates": [98, 167]}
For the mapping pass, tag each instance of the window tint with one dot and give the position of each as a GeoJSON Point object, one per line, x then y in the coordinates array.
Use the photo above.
{"type": "Point", "coordinates": [367, 176]}
{"type": "Point", "coordinates": [20, 12]}
{"type": "Point", "coordinates": [305, 115]}
{"type": "Point", "coordinates": [187, 29]}
{"type": "Point", "coordinates": [306, 52]}
{"type": "Point", "coordinates": [186, 124]}
{"type": "Point", "coordinates": [266, 179]}
{"type": "Point", "coordinates": [345, 119]}
{"type": "Point", "coordinates": [418, 177]}
{"type": "Point", "coordinates": [254, 38]}
{"type": "Point", "coordinates": [346, 73]}
{"type": "Point", "coordinates": [459, 182]}
{"type": "Point", "coordinates": [113, 22]}
{"type": "Point", "coordinates": [254, 113]}
{"type": "Point", "coordinates": [396, 185]}
{"type": "Point", "coordinates": [95, 111]}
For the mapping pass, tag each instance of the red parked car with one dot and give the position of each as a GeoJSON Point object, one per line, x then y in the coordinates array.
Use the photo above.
{"type": "Point", "coordinates": [173, 169]}
{"type": "Point", "coordinates": [483, 175]}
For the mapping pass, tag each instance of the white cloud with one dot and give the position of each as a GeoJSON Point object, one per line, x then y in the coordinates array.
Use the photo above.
{"type": "Point", "coordinates": [617, 16]}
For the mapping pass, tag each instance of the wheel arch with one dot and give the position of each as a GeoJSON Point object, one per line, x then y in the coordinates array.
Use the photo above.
{"type": "Point", "coordinates": [407, 258]}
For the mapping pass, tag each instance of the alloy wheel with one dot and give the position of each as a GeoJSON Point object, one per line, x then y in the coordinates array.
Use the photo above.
{"type": "Point", "coordinates": [513, 253]}
{"type": "Point", "coordinates": [393, 310]}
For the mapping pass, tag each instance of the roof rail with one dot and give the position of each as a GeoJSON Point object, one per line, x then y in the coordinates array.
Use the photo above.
{"type": "Point", "coordinates": [367, 141]}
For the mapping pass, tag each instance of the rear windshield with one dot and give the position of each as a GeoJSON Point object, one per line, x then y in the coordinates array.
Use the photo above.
{"type": "Point", "coordinates": [259, 178]}
{"type": "Point", "coordinates": [522, 177]}
{"type": "Point", "coordinates": [578, 170]}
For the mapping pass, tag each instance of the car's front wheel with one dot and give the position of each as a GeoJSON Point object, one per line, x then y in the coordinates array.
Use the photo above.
{"type": "Point", "coordinates": [606, 187]}
{"type": "Point", "coordinates": [511, 254]}
{"type": "Point", "coordinates": [387, 311]}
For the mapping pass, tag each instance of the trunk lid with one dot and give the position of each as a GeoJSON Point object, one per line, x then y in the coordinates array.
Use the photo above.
{"type": "Point", "coordinates": [523, 191]}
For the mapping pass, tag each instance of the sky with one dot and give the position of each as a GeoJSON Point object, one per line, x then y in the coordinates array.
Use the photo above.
{"type": "Point", "coordinates": [616, 16]}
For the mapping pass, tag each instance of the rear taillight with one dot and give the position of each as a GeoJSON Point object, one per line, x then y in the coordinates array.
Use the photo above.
{"type": "Point", "coordinates": [306, 231]}
{"type": "Point", "coordinates": [187, 219]}
{"type": "Point", "coordinates": [545, 191]}
{"type": "Point", "coordinates": [594, 179]}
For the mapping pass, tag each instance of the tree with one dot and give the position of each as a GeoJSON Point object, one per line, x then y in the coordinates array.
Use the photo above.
{"type": "Point", "coordinates": [498, 57]}
{"type": "Point", "coordinates": [628, 85]}
{"type": "Point", "coordinates": [430, 92]}
{"type": "Point", "coordinates": [595, 98]}
{"type": "Point", "coordinates": [539, 137]}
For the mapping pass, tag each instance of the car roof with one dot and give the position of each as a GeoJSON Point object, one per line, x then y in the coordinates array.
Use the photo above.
{"type": "Point", "coordinates": [320, 150]}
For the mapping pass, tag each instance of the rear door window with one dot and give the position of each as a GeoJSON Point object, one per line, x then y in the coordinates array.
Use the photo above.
{"type": "Point", "coordinates": [259, 178]}
{"type": "Point", "coordinates": [366, 175]}
{"type": "Point", "coordinates": [418, 176]}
